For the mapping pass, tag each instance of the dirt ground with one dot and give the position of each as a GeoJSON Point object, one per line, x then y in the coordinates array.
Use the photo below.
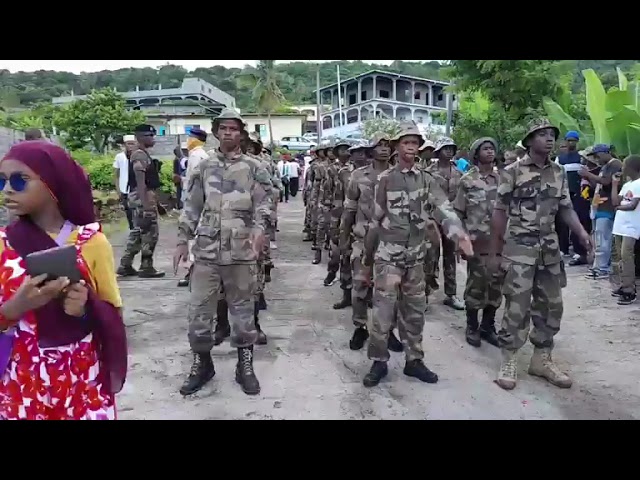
{"type": "Point", "coordinates": [308, 372]}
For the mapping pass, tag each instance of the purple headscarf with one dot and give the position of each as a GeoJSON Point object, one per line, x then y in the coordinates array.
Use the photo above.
{"type": "Point", "coordinates": [70, 187]}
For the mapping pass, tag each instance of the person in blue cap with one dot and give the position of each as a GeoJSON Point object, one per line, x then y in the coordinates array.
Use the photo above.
{"type": "Point", "coordinates": [571, 160]}
{"type": "Point", "coordinates": [603, 209]}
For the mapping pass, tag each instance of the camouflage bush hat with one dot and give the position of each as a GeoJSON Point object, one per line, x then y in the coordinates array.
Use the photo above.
{"type": "Point", "coordinates": [539, 124]}
{"type": "Point", "coordinates": [427, 144]}
{"type": "Point", "coordinates": [227, 114]}
{"type": "Point", "coordinates": [359, 145]}
{"type": "Point", "coordinates": [255, 138]}
{"type": "Point", "coordinates": [587, 154]}
{"type": "Point", "coordinates": [377, 138]}
{"type": "Point", "coordinates": [445, 142]}
{"type": "Point", "coordinates": [406, 129]}
{"type": "Point", "coordinates": [475, 146]}
{"type": "Point", "coordinates": [341, 142]}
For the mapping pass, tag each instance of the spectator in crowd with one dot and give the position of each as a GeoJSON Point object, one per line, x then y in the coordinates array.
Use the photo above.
{"type": "Point", "coordinates": [179, 171]}
{"type": "Point", "coordinates": [283, 171]}
{"type": "Point", "coordinates": [294, 175]}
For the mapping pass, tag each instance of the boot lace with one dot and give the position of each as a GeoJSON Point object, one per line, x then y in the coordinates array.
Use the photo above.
{"type": "Point", "coordinates": [509, 369]}
{"type": "Point", "coordinates": [195, 367]}
{"type": "Point", "coordinates": [246, 364]}
{"type": "Point", "coordinates": [547, 362]}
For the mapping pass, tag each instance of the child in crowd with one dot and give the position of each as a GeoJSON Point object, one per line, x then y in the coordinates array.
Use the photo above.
{"type": "Point", "coordinates": [626, 227]}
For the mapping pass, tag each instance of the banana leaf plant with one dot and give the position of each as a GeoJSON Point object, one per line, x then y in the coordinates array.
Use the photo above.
{"type": "Point", "coordinates": [614, 115]}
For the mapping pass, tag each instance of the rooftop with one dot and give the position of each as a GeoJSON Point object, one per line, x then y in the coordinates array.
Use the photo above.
{"type": "Point", "coordinates": [388, 74]}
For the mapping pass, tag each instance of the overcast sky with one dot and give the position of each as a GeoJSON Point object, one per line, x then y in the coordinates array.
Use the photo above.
{"type": "Point", "coordinates": [77, 66]}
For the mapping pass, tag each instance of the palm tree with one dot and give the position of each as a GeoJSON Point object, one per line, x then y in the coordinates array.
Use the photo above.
{"type": "Point", "coordinates": [263, 80]}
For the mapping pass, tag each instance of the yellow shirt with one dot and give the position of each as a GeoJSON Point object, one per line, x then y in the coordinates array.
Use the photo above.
{"type": "Point", "coordinates": [98, 255]}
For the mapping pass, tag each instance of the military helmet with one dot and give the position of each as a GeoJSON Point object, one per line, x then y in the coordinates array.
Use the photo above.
{"type": "Point", "coordinates": [227, 114]}
{"type": "Point", "coordinates": [406, 129]}
{"type": "Point", "coordinates": [475, 146]}
{"type": "Point", "coordinates": [377, 138]}
{"type": "Point", "coordinates": [539, 124]}
{"type": "Point", "coordinates": [445, 142]}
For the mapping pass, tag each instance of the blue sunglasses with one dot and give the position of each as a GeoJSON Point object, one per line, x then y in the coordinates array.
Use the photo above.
{"type": "Point", "coordinates": [17, 181]}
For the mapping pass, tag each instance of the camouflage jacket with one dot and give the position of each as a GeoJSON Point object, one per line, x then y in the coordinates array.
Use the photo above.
{"type": "Point", "coordinates": [404, 199]}
{"type": "Point", "coordinates": [532, 197]}
{"type": "Point", "coordinates": [448, 182]}
{"type": "Point", "coordinates": [474, 204]}
{"type": "Point", "coordinates": [226, 202]}
{"type": "Point", "coordinates": [320, 175]}
{"type": "Point", "coordinates": [341, 185]}
{"type": "Point", "coordinates": [359, 199]}
{"type": "Point", "coordinates": [330, 186]}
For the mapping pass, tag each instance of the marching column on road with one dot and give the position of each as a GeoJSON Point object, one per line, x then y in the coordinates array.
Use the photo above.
{"type": "Point", "coordinates": [404, 197]}
{"type": "Point", "coordinates": [144, 182]}
{"type": "Point", "coordinates": [533, 192]}
{"type": "Point", "coordinates": [474, 204]}
{"type": "Point", "coordinates": [227, 210]}
{"type": "Point", "coordinates": [306, 197]}
{"type": "Point", "coordinates": [324, 203]}
{"type": "Point", "coordinates": [448, 177]}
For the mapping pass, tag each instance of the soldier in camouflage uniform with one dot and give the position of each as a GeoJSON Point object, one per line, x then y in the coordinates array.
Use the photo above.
{"type": "Point", "coordinates": [532, 192]}
{"type": "Point", "coordinates": [317, 172]}
{"type": "Point", "coordinates": [226, 210]}
{"type": "Point", "coordinates": [356, 220]}
{"type": "Point", "coordinates": [306, 196]}
{"type": "Point", "coordinates": [448, 177]}
{"type": "Point", "coordinates": [474, 204]}
{"type": "Point", "coordinates": [325, 203]}
{"type": "Point", "coordinates": [404, 197]}
{"type": "Point", "coordinates": [144, 182]}
{"type": "Point", "coordinates": [358, 158]}
{"type": "Point", "coordinates": [432, 257]}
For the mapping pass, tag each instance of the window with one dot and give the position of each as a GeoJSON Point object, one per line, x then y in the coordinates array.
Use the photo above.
{"type": "Point", "coordinates": [352, 98]}
{"type": "Point", "coordinates": [363, 96]}
{"type": "Point", "coordinates": [384, 93]}
{"type": "Point", "coordinates": [440, 97]}
{"type": "Point", "coordinates": [188, 128]}
{"type": "Point", "coordinates": [162, 131]}
{"type": "Point", "coordinates": [420, 119]}
{"type": "Point", "coordinates": [416, 96]}
{"type": "Point", "coordinates": [258, 127]}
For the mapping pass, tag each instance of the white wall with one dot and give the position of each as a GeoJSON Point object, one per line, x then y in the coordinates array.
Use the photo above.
{"type": "Point", "coordinates": [282, 126]}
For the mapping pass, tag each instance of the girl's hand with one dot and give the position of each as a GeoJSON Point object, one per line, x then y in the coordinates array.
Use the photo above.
{"type": "Point", "coordinates": [32, 295]}
{"type": "Point", "coordinates": [76, 299]}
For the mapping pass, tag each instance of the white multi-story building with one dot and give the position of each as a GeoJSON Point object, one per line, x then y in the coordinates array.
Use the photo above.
{"type": "Point", "coordinates": [383, 94]}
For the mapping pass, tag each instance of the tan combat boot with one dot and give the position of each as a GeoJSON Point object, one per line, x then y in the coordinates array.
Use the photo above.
{"type": "Point", "coordinates": [508, 369]}
{"type": "Point", "coordinates": [542, 366]}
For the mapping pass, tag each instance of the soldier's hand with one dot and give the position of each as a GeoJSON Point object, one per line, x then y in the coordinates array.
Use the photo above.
{"type": "Point", "coordinates": [465, 246]}
{"type": "Point", "coordinates": [587, 243]}
{"type": "Point", "coordinates": [180, 255]}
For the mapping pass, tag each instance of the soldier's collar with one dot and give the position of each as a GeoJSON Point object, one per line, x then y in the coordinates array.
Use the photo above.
{"type": "Point", "coordinates": [526, 160]}
{"type": "Point", "coordinates": [413, 169]}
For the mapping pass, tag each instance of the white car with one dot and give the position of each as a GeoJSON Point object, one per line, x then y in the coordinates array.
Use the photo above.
{"type": "Point", "coordinates": [312, 137]}
{"type": "Point", "coordinates": [297, 143]}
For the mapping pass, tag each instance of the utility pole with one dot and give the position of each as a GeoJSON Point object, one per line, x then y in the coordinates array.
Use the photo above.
{"type": "Point", "coordinates": [318, 106]}
{"type": "Point", "coordinates": [339, 99]}
{"type": "Point", "coordinates": [449, 111]}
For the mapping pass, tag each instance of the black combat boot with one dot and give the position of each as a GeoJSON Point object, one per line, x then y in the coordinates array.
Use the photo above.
{"type": "Point", "coordinates": [187, 278]}
{"type": "Point", "coordinates": [417, 369]}
{"type": "Point", "coordinates": [223, 329]}
{"type": "Point", "coordinates": [488, 326]}
{"type": "Point", "coordinates": [147, 270]}
{"type": "Point", "coordinates": [393, 343]}
{"type": "Point", "coordinates": [245, 375]}
{"type": "Point", "coordinates": [378, 371]}
{"type": "Point", "coordinates": [318, 256]}
{"type": "Point", "coordinates": [330, 279]}
{"type": "Point", "coordinates": [262, 302]}
{"type": "Point", "coordinates": [472, 333]}
{"type": "Point", "coordinates": [360, 335]}
{"type": "Point", "coordinates": [126, 271]}
{"type": "Point", "coordinates": [267, 273]}
{"type": "Point", "coordinates": [307, 237]}
{"type": "Point", "coordinates": [201, 372]}
{"type": "Point", "coordinates": [262, 338]}
{"type": "Point", "coordinates": [345, 302]}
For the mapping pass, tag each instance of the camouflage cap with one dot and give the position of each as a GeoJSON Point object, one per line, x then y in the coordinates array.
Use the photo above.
{"type": "Point", "coordinates": [377, 138]}
{"type": "Point", "coordinates": [539, 124]}
{"type": "Point", "coordinates": [427, 144]}
{"type": "Point", "coordinates": [587, 154]}
{"type": "Point", "coordinates": [406, 129]}
{"type": "Point", "coordinates": [444, 142]}
{"type": "Point", "coordinates": [475, 146]}
{"type": "Point", "coordinates": [227, 114]}
{"type": "Point", "coordinates": [359, 145]}
{"type": "Point", "coordinates": [255, 138]}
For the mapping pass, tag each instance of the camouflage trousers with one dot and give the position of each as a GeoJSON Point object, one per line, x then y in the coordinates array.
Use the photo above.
{"type": "Point", "coordinates": [483, 288]}
{"type": "Point", "coordinates": [341, 261]}
{"type": "Point", "coordinates": [432, 259]}
{"type": "Point", "coordinates": [532, 293]}
{"type": "Point", "coordinates": [142, 238]}
{"type": "Point", "coordinates": [239, 283]}
{"type": "Point", "coordinates": [404, 285]}
{"type": "Point", "coordinates": [273, 218]}
{"type": "Point", "coordinates": [623, 267]}
{"type": "Point", "coordinates": [361, 284]}
{"type": "Point", "coordinates": [449, 265]}
{"type": "Point", "coordinates": [324, 224]}
{"type": "Point", "coordinates": [307, 215]}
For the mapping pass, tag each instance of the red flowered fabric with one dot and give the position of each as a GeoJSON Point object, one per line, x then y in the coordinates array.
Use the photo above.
{"type": "Point", "coordinates": [61, 383]}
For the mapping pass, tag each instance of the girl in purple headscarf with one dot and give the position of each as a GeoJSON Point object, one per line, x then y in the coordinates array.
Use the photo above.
{"type": "Point", "coordinates": [62, 347]}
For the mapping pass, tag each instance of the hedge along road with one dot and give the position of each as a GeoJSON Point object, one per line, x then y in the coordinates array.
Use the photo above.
{"type": "Point", "coordinates": [308, 372]}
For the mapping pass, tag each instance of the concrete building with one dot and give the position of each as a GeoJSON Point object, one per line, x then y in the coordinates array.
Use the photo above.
{"type": "Point", "coordinates": [311, 111]}
{"type": "Point", "coordinates": [378, 93]}
{"type": "Point", "coordinates": [284, 125]}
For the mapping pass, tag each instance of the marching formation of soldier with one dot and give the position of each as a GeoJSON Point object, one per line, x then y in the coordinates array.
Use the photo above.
{"type": "Point", "coordinates": [385, 211]}
{"type": "Point", "coordinates": [389, 213]}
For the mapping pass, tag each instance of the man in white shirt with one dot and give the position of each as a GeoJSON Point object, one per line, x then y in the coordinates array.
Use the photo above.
{"type": "Point", "coordinates": [294, 174]}
{"type": "Point", "coordinates": [284, 171]}
{"type": "Point", "coordinates": [121, 175]}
